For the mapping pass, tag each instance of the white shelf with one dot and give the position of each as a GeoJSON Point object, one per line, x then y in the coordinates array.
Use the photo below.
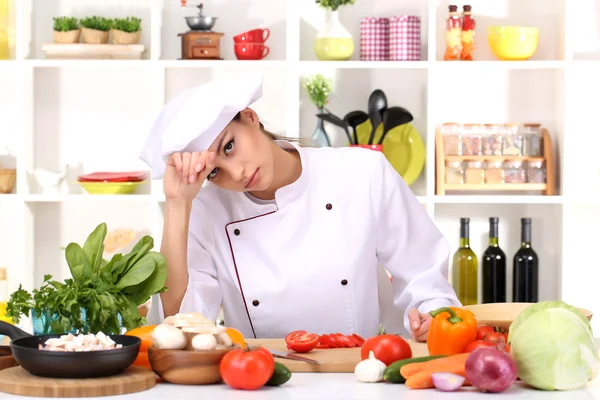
{"type": "Point", "coordinates": [97, 112]}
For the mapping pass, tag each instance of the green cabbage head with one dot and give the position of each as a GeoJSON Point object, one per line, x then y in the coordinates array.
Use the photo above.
{"type": "Point", "coordinates": [553, 346]}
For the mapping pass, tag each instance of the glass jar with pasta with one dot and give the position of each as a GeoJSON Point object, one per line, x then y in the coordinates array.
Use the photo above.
{"type": "Point", "coordinates": [452, 137]}
{"type": "Point", "coordinates": [453, 35]}
{"type": "Point", "coordinates": [455, 172]}
{"type": "Point", "coordinates": [494, 172]}
{"type": "Point", "coordinates": [471, 140]}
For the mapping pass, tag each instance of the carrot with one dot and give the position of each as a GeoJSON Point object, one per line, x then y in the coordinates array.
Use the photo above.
{"type": "Point", "coordinates": [445, 362]}
{"type": "Point", "coordinates": [424, 380]}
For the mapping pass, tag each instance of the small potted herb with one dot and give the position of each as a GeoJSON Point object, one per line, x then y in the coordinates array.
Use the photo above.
{"type": "Point", "coordinates": [66, 30]}
{"type": "Point", "coordinates": [319, 89]}
{"type": "Point", "coordinates": [95, 30]}
{"type": "Point", "coordinates": [126, 30]}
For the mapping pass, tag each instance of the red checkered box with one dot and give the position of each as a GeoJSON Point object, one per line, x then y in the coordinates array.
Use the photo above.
{"type": "Point", "coordinates": [405, 38]}
{"type": "Point", "coordinates": [374, 39]}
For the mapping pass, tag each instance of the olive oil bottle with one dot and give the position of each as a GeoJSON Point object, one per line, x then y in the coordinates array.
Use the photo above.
{"type": "Point", "coordinates": [465, 268]}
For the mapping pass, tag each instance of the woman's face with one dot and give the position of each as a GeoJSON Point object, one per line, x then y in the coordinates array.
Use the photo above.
{"type": "Point", "coordinates": [243, 156]}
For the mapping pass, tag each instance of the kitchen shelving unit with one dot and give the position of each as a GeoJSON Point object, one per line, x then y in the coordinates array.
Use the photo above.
{"type": "Point", "coordinates": [93, 114]}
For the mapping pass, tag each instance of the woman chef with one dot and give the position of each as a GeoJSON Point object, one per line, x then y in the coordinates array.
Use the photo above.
{"type": "Point", "coordinates": [285, 237]}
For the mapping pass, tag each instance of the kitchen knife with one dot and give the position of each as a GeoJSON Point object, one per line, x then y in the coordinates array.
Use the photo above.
{"type": "Point", "coordinates": [290, 356]}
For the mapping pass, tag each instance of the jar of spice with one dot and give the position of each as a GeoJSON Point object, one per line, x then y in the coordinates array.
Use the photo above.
{"type": "Point", "coordinates": [491, 141]}
{"type": "Point", "coordinates": [513, 141]}
{"type": "Point", "coordinates": [514, 172]}
{"type": "Point", "coordinates": [452, 139]}
{"type": "Point", "coordinates": [532, 140]}
{"type": "Point", "coordinates": [455, 172]}
{"type": "Point", "coordinates": [474, 173]}
{"type": "Point", "coordinates": [471, 140]}
{"type": "Point", "coordinates": [536, 172]}
{"type": "Point", "coordinates": [453, 33]}
{"type": "Point", "coordinates": [494, 173]}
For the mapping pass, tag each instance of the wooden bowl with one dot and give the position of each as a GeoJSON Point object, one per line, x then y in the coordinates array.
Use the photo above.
{"type": "Point", "coordinates": [187, 367]}
{"type": "Point", "coordinates": [502, 315]}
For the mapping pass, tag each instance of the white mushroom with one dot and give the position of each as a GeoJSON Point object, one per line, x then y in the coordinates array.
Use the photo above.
{"type": "Point", "coordinates": [224, 339]}
{"type": "Point", "coordinates": [204, 341]}
{"type": "Point", "coordinates": [168, 337]}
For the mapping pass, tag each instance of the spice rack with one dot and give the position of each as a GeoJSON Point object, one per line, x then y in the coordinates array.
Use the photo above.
{"type": "Point", "coordinates": [492, 171]}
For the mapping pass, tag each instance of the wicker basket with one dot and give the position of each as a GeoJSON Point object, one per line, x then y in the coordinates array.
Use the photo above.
{"type": "Point", "coordinates": [122, 37]}
{"type": "Point", "coordinates": [72, 36]}
{"type": "Point", "coordinates": [7, 180]}
{"type": "Point", "coordinates": [94, 36]}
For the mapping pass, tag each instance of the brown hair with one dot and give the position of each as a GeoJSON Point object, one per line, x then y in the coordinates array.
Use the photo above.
{"type": "Point", "coordinates": [273, 136]}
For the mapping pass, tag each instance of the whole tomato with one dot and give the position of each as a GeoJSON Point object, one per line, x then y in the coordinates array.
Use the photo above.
{"type": "Point", "coordinates": [484, 330]}
{"type": "Point", "coordinates": [247, 369]}
{"type": "Point", "coordinates": [387, 348]}
{"type": "Point", "coordinates": [477, 344]}
{"type": "Point", "coordinates": [494, 337]}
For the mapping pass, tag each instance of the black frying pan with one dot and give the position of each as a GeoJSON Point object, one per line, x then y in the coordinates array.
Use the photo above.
{"type": "Point", "coordinates": [73, 365]}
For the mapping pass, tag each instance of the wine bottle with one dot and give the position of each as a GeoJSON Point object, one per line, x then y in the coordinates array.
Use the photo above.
{"type": "Point", "coordinates": [493, 268]}
{"type": "Point", "coordinates": [525, 268]}
{"type": "Point", "coordinates": [465, 268]}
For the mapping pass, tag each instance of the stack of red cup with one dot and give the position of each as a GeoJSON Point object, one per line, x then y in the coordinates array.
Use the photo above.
{"type": "Point", "coordinates": [251, 45]}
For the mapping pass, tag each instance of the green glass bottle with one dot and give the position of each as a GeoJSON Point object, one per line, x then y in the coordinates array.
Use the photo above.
{"type": "Point", "coordinates": [465, 268]}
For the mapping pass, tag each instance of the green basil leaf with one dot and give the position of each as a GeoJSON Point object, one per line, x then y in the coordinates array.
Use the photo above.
{"type": "Point", "coordinates": [155, 283]}
{"type": "Point", "coordinates": [78, 262]}
{"type": "Point", "coordinates": [138, 273]}
{"type": "Point", "coordinates": [94, 246]}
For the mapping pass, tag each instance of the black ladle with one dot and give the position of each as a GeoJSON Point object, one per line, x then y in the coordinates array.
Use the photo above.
{"type": "Point", "coordinates": [335, 120]}
{"type": "Point", "coordinates": [392, 118]}
{"type": "Point", "coordinates": [377, 103]}
{"type": "Point", "coordinates": [354, 119]}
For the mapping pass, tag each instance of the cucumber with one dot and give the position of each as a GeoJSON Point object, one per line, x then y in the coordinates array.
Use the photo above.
{"type": "Point", "coordinates": [281, 374]}
{"type": "Point", "coordinates": [392, 372]}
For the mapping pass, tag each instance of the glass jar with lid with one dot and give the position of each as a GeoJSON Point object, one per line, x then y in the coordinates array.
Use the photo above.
{"type": "Point", "coordinates": [455, 172]}
{"type": "Point", "coordinates": [491, 141]}
{"type": "Point", "coordinates": [474, 173]}
{"type": "Point", "coordinates": [494, 172]}
{"type": "Point", "coordinates": [471, 136]}
{"type": "Point", "coordinates": [514, 172]}
{"type": "Point", "coordinates": [513, 141]}
{"type": "Point", "coordinates": [451, 135]}
{"type": "Point", "coordinates": [536, 172]}
{"type": "Point", "coordinates": [532, 140]}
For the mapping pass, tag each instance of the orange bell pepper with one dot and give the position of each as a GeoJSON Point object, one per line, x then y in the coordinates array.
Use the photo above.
{"type": "Point", "coordinates": [450, 331]}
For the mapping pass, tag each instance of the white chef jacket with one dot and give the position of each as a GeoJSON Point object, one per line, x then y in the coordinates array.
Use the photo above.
{"type": "Point", "coordinates": [310, 259]}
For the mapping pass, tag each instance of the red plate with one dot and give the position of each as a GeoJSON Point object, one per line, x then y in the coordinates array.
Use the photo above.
{"type": "Point", "coordinates": [113, 177]}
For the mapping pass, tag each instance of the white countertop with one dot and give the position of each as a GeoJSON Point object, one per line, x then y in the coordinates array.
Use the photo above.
{"type": "Point", "coordinates": [333, 386]}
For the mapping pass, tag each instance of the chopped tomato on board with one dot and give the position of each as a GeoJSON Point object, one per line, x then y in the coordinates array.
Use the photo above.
{"type": "Point", "coordinates": [302, 341]}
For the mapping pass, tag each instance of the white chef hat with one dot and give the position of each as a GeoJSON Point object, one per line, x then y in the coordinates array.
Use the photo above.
{"type": "Point", "coordinates": [192, 120]}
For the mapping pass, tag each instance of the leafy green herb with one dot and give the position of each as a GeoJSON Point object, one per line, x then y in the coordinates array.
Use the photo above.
{"type": "Point", "coordinates": [333, 5]}
{"type": "Point", "coordinates": [98, 23]}
{"type": "Point", "coordinates": [104, 289]}
{"type": "Point", "coordinates": [65, 24]}
{"type": "Point", "coordinates": [129, 24]}
{"type": "Point", "coordinates": [319, 89]}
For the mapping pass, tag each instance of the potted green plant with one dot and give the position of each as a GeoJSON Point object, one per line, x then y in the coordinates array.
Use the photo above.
{"type": "Point", "coordinates": [318, 88]}
{"type": "Point", "coordinates": [66, 30]}
{"type": "Point", "coordinates": [95, 30]}
{"type": "Point", "coordinates": [334, 42]}
{"type": "Point", "coordinates": [126, 30]}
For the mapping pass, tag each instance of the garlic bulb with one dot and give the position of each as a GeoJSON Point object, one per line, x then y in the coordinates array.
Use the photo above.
{"type": "Point", "coordinates": [168, 337]}
{"type": "Point", "coordinates": [204, 341]}
{"type": "Point", "coordinates": [370, 370]}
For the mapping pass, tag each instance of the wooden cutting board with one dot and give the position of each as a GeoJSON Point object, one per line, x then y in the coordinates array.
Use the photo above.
{"type": "Point", "coordinates": [334, 360]}
{"type": "Point", "coordinates": [18, 381]}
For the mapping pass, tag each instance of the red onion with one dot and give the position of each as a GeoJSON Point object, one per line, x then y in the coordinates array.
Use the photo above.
{"type": "Point", "coordinates": [490, 370]}
{"type": "Point", "coordinates": [447, 382]}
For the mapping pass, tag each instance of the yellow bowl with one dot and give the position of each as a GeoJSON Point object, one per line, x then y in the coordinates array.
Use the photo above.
{"type": "Point", "coordinates": [110, 187]}
{"type": "Point", "coordinates": [513, 43]}
{"type": "Point", "coordinates": [502, 315]}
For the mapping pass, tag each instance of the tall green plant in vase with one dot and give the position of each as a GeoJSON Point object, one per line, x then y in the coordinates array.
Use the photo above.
{"type": "Point", "coordinates": [334, 42]}
{"type": "Point", "coordinates": [319, 89]}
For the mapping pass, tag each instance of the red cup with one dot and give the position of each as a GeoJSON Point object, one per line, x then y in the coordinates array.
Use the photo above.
{"type": "Point", "coordinates": [375, 147]}
{"type": "Point", "coordinates": [253, 36]}
{"type": "Point", "coordinates": [251, 51]}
